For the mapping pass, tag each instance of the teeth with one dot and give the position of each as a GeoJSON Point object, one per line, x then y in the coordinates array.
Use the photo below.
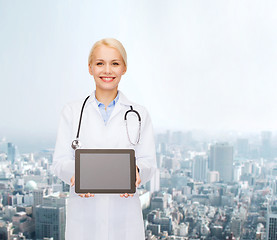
{"type": "Point", "coordinates": [107, 79]}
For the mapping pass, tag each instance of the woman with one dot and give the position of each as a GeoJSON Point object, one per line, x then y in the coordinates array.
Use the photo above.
{"type": "Point", "coordinates": [105, 216]}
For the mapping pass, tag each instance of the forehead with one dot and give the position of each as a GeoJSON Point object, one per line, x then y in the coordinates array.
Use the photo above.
{"type": "Point", "coordinates": [106, 53]}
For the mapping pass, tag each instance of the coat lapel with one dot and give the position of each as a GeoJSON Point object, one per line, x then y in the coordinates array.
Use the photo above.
{"type": "Point", "coordinates": [92, 101]}
{"type": "Point", "coordinates": [122, 101]}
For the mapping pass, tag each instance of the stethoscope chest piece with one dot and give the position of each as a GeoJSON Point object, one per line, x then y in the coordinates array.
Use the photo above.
{"type": "Point", "coordinates": [76, 144]}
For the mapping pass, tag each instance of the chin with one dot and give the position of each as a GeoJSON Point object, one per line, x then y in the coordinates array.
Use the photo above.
{"type": "Point", "coordinates": [107, 88]}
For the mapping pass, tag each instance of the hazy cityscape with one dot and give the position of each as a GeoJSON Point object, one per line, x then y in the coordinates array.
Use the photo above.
{"type": "Point", "coordinates": [194, 65]}
{"type": "Point", "coordinates": [206, 187]}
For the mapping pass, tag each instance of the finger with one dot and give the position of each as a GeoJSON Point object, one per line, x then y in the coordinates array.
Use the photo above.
{"type": "Point", "coordinates": [126, 195]}
{"type": "Point", "coordinates": [87, 195]}
{"type": "Point", "coordinates": [72, 181]}
{"type": "Point", "coordinates": [121, 195]}
{"type": "Point", "coordinates": [131, 195]}
{"type": "Point", "coordinates": [81, 195]}
{"type": "Point", "coordinates": [138, 181]}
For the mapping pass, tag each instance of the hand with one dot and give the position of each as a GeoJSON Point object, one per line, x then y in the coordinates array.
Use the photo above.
{"type": "Point", "coordinates": [72, 182]}
{"type": "Point", "coordinates": [138, 181]}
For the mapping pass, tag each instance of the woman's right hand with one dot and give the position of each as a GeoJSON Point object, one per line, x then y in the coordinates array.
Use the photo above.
{"type": "Point", "coordinates": [72, 182]}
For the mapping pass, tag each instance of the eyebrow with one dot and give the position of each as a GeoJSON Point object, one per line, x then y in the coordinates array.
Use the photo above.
{"type": "Point", "coordinates": [103, 59]}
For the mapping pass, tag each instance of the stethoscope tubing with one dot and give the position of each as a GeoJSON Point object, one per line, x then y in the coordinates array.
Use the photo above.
{"type": "Point", "coordinates": [81, 115]}
{"type": "Point", "coordinates": [76, 143]}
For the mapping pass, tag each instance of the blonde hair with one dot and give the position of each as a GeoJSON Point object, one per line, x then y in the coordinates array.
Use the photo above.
{"type": "Point", "coordinates": [109, 42]}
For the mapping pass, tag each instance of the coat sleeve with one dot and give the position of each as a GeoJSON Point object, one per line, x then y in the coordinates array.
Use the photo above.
{"type": "Point", "coordinates": [63, 160]}
{"type": "Point", "coordinates": [145, 150]}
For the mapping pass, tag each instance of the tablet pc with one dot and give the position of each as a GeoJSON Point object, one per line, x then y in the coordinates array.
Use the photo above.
{"type": "Point", "coordinates": [105, 171]}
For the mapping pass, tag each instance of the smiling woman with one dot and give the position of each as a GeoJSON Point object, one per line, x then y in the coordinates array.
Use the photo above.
{"type": "Point", "coordinates": [106, 65]}
{"type": "Point", "coordinates": [105, 216]}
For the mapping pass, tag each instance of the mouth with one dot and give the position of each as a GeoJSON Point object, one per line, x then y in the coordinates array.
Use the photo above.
{"type": "Point", "coordinates": [107, 79]}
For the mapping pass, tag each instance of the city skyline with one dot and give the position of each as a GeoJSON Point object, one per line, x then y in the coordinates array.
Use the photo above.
{"type": "Point", "coordinates": [36, 144]}
{"type": "Point", "coordinates": [206, 72]}
{"type": "Point", "coordinates": [191, 195]}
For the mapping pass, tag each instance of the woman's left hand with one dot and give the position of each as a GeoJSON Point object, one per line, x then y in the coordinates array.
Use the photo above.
{"type": "Point", "coordinates": [138, 181]}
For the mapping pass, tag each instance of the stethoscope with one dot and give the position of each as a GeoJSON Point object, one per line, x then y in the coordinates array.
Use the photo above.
{"type": "Point", "coordinates": [77, 144]}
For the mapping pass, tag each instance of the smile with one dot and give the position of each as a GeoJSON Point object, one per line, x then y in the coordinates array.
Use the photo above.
{"type": "Point", "coordinates": [107, 79]}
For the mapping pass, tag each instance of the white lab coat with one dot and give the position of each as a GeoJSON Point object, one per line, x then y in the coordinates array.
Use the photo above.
{"type": "Point", "coordinates": [105, 216]}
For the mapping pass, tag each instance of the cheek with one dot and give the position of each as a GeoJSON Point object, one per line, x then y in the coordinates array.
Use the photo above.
{"type": "Point", "coordinates": [96, 71]}
{"type": "Point", "coordinates": [120, 72]}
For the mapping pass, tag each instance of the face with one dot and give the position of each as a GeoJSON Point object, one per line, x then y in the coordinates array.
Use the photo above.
{"type": "Point", "coordinates": [107, 67]}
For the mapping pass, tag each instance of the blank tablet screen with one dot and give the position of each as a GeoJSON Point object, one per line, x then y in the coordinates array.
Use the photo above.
{"type": "Point", "coordinates": [101, 171]}
{"type": "Point", "coordinates": [104, 171]}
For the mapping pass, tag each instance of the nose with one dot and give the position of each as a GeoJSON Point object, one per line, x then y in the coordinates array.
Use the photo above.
{"type": "Point", "coordinates": [108, 69]}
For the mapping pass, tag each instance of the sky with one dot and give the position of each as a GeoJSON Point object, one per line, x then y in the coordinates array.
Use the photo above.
{"type": "Point", "coordinates": [207, 64]}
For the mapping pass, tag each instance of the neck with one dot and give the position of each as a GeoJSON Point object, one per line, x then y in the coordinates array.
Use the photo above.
{"type": "Point", "coordinates": [105, 97]}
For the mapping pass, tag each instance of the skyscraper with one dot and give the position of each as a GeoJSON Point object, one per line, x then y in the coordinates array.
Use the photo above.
{"type": "Point", "coordinates": [221, 160]}
{"type": "Point", "coordinates": [38, 196]}
{"type": "Point", "coordinates": [11, 152]}
{"type": "Point", "coordinates": [242, 147]}
{"type": "Point", "coordinates": [50, 222]}
{"type": "Point", "coordinates": [266, 144]}
{"type": "Point", "coordinates": [51, 217]}
{"type": "Point", "coordinates": [271, 224]}
{"type": "Point", "coordinates": [199, 168]}
{"type": "Point", "coordinates": [3, 146]}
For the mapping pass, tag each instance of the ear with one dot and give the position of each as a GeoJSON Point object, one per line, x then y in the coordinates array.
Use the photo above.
{"type": "Point", "coordinates": [90, 70]}
{"type": "Point", "coordinates": [124, 71]}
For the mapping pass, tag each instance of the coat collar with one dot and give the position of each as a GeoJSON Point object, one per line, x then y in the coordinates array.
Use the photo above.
{"type": "Point", "coordinates": [122, 99]}
{"type": "Point", "coordinates": [118, 106]}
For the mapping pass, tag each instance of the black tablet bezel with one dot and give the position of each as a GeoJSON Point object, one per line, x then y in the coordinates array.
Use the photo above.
{"type": "Point", "coordinates": [105, 151]}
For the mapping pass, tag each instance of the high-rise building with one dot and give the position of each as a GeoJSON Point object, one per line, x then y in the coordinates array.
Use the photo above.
{"type": "Point", "coordinates": [266, 144]}
{"type": "Point", "coordinates": [242, 147]}
{"type": "Point", "coordinates": [3, 146]}
{"type": "Point", "coordinates": [221, 160]}
{"type": "Point", "coordinates": [38, 196]}
{"type": "Point", "coordinates": [177, 138]}
{"type": "Point", "coordinates": [55, 200]}
{"type": "Point", "coordinates": [271, 225]}
{"type": "Point", "coordinates": [199, 168]}
{"type": "Point", "coordinates": [237, 173]}
{"type": "Point", "coordinates": [51, 216]}
{"type": "Point", "coordinates": [50, 222]}
{"type": "Point", "coordinates": [236, 225]}
{"type": "Point", "coordinates": [212, 176]}
{"type": "Point", "coordinates": [6, 230]}
{"type": "Point", "coordinates": [158, 203]}
{"type": "Point", "coordinates": [155, 228]}
{"type": "Point", "coordinates": [11, 152]}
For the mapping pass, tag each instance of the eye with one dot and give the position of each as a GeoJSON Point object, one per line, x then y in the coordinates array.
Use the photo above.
{"type": "Point", "coordinates": [115, 63]}
{"type": "Point", "coordinates": [99, 63]}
